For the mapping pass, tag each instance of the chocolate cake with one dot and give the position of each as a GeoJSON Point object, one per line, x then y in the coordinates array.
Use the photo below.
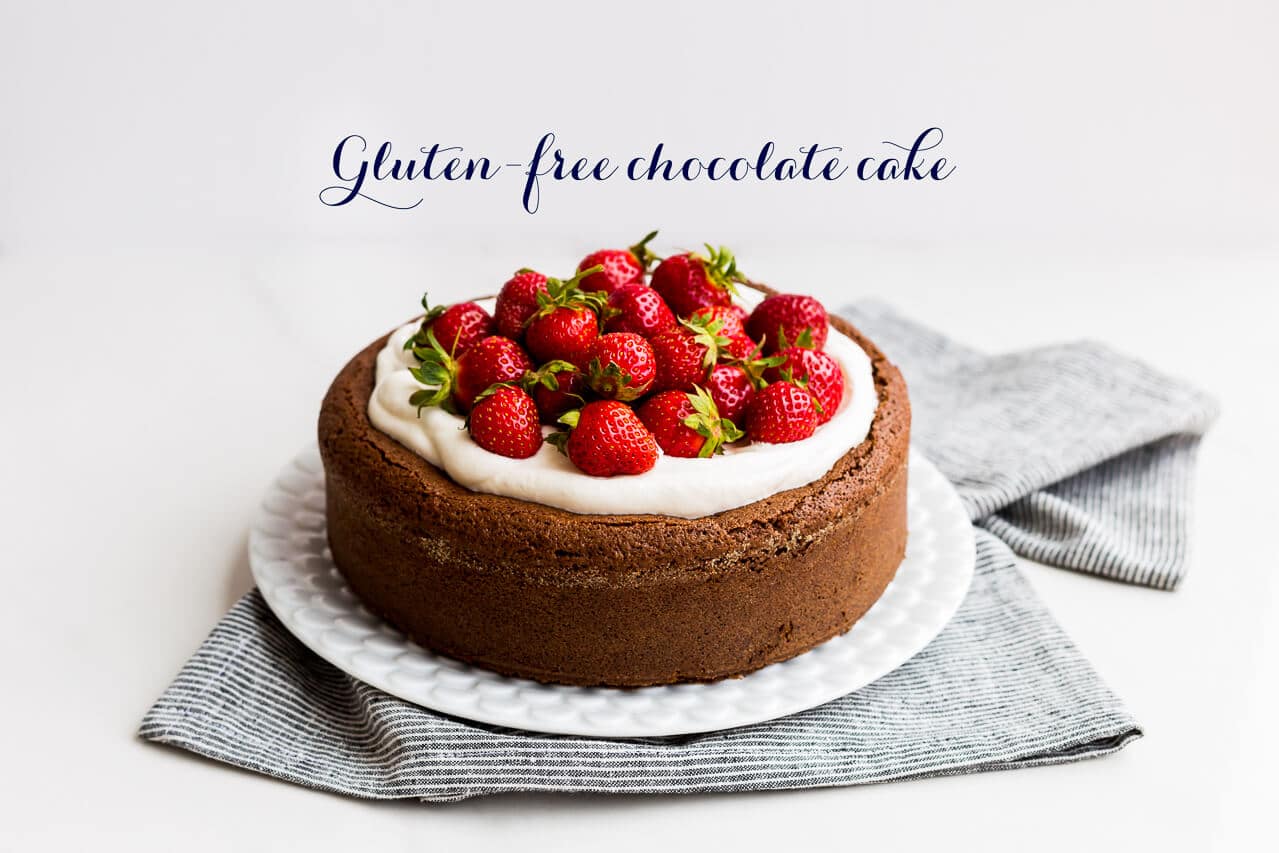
{"type": "Point", "coordinates": [538, 592]}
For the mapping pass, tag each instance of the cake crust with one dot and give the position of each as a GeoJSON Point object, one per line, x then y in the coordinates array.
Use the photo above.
{"type": "Point", "coordinates": [612, 600]}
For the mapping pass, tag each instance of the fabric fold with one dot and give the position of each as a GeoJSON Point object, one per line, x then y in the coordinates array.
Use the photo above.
{"type": "Point", "coordinates": [1075, 455]}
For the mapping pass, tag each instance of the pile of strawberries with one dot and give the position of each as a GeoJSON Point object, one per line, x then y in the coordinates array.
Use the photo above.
{"type": "Point", "coordinates": [624, 362]}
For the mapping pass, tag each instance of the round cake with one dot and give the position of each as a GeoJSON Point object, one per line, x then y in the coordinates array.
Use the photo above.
{"type": "Point", "coordinates": [558, 585]}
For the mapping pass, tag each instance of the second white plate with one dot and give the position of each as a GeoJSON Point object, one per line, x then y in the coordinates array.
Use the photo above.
{"type": "Point", "coordinates": [289, 556]}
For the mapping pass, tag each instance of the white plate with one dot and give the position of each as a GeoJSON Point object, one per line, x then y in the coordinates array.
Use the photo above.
{"type": "Point", "coordinates": [289, 556]}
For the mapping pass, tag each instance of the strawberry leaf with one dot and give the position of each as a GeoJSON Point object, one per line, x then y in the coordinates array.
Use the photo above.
{"type": "Point", "coordinates": [491, 390]}
{"type": "Point", "coordinates": [721, 268]}
{"type": "Point", "coordinates": [706, 422]}
{"type": "Point", "coordinates": [608, 379]}
{"type": "Point", "coordinates": [643, 254]}
{"type": "Point", "coordinates": [566, 293]}
{"type": "Point", "coordinates": [754, 366]}
{"type": "Point", "coordinates": [437, 371]}
{"type": "Point", "coordinates": [560, 439]}
{"type": "Point", "coordinates": [706, 331]}
{"type": "Point", "coordinates": [547, 375]}
{"type": "Point", "coordinates": [431, 397]}
{"type": "Point", "coordinates": [432, 314]}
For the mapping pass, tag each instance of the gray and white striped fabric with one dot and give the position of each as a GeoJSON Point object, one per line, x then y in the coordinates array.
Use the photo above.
{"type": "Point", "coordinates": [1071, 455]}
{"type": "Point", "coordinates": [1074, 455]}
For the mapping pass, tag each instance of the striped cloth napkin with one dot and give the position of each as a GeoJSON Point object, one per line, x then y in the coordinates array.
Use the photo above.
{"type": "Point", "coordinates": [1071, 455]}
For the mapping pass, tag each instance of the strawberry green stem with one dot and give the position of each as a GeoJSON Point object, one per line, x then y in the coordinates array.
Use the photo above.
{"type": "Point", "coordinates": [721, 268]}
{"type": "Point", "coordinates": [566, 293]}
{"type": "Point", "coordinates": [643, 254]}
{"type": "Point", "coordinates": [707, 423]}
{"type": "Point", "coordinates": [437, 370]}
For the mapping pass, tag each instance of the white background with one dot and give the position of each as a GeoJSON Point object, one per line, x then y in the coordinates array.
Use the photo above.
{"type": "Point", "coordinates": [176, 299]}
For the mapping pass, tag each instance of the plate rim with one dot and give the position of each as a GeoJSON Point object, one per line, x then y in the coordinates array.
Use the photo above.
{"type": "Point", "coordinates": [308, 461]}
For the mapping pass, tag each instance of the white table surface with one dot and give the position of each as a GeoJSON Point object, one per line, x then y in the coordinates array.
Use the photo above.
{"type": "Point", "coordinates": [149, 397]}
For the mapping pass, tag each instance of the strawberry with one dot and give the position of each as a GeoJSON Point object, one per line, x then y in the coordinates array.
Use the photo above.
{"type": "Point", "coordinates": [606, 438]}
{"type": "Point", "coordinates": [690, 281]}
{"type": "Point", "coordinates": [780, 413]}
{"type": "Point", "coordinates": [732, 385]}
{"type": "Point", "coordinates": [731, 317]}
{"type": "Point", "coordinates": [637, 308]}
{"type": "Point", "coordinates": [686, 353]}
{"type": "Point", "coordinates": [517, 302]}
{"type": "Point", "coordinates": [620, 266]}
{"type": "Point", "coordinates": [687, 424]}
{"type": "Point", "coordinates": [783, 318]}
{"type": "Point", "coordinates": [740, 346]}
{"type": "Point", "coordinates": [563, 334]}
{"type": "Point", "coordinates": [819, 372]}
{"type": "Point", "coordinates": [556, 386]}
{"type": "Point", "coordinates": [454, 383]}
{"type": "Point", "coordinates": [565, 322]}
{"type": "Point", "coordinates": [492, 360]}
{"type": "Point", "coordinates": [457, 327]}
{"type": "Point", "coordinates": [504, 421]}
{"type": "Point", "coordinates": [731, 389]}
{"type": "Point", "coordinates": [620, 366]}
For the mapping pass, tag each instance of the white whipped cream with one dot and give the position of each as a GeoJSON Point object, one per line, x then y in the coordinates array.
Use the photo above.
{"type": "Point", "coordinates": [685, 488]}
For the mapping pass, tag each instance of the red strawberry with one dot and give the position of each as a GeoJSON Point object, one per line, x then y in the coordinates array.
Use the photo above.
{"type": "Point", "coordinates": [819, 372]}
{"type": "Point", "coordinates": [687, 424]}
{"type": "Point", "coordinates": [733, 384]}
{"type": "Point", "coordinates": [680, 360]}
{"type": "Point", "coordinates": [781, 319]}
{"type": "Point", "coordinates": [780, 413]}
{"type": "Point", "coordinates": [620, 366]}
{"type": "Point", "coordinates": [454, 383]}
{"type": "Point", "coordinates": [517, 302]}
{"type": "Point", "coordinates": [563, 334]}
{"type": "Point", "coordinates": [637, 308]}
{"type": "Point", "coordinates": [731, 317]}
{"type": "Point", "coordinates": [606, 438]}
{"type": "Point", "coordinates": [504, 421]}
{"type": "Point", "coordinates": [556, 386]}
{"type": "Point", "coordinates": [621, 266]}
{"type": "Point", "coordinates": [740, 346]}
{"type": "Point", "coordinates": [686, 353]}
{"type": "Point", "coordinates": [492, 360]}
{"type": "Point", "coordinates": [731, 389]}
{"type": "Point", "coordinates": [739, 343]}
{"type": "Point", "coordinates": [456, 327]}
{"type": "Point", "coordinates": [565, 323]}
{"type": "Point", "coordinates": [690, 281]}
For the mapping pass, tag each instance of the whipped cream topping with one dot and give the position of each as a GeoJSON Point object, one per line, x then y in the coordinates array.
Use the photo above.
{"type": "Point", "coordinates": [684, 488]}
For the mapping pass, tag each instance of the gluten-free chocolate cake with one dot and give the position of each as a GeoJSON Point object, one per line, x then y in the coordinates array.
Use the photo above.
{"type": "Point", "coordinates": [621, 478]}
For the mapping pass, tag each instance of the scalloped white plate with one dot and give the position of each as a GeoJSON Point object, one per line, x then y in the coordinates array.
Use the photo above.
{"type": "Point", "coordinates": [289, 556]}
